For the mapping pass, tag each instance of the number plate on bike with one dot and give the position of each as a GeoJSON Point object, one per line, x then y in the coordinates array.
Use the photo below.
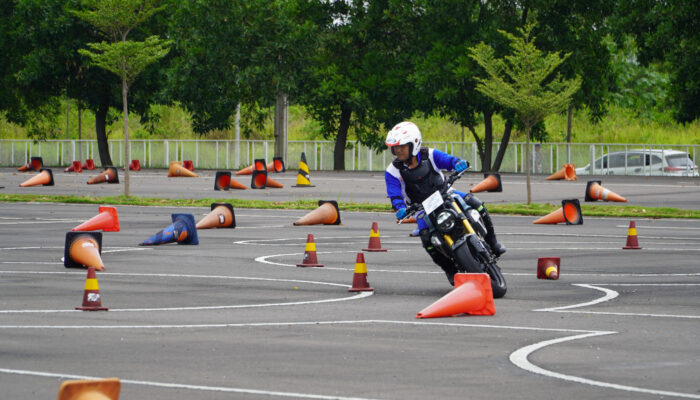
{"type": "Point", "coordinates": [432, 202]}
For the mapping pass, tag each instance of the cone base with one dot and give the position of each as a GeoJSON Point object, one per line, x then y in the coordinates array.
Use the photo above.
{"type": "Point", "coordinates": [92, 308]}
{"type": "Point", "coordinates": [631, 248]}
{"type": "Point", "coordinates": [310, 265]}
{"type": "Point", "coordinates": [303, 186]}
{"type": "Point", "coordinates": [369, 289]}
{"type": "Point", "coordinates": [374, 250]}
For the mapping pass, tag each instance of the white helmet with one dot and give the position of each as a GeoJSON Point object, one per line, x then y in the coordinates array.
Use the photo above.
{"type": "Point", "coordinates": [405, 133]}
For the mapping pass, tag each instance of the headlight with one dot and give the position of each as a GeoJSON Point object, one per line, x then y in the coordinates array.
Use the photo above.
{"type": "Point", "coordinates": [445, 221]}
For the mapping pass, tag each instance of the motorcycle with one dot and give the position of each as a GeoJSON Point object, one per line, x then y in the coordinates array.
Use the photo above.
{"type": "Point", "coordinates": [457, 231]}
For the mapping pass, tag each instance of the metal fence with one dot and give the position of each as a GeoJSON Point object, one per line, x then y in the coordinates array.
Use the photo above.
{"type": "Point", "coordinates": [546, 158]}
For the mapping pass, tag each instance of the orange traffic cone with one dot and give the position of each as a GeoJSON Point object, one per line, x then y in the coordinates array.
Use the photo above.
{"type": "Point", "coordinates": [570, 212]}
{"type": "Point", "coordinates": [35, 164]}
{"type": "Point", "coordinates": [273, 183]}
{"type": "Point", "coordinates": [327, 213]}
{"type": "Point", "coordinates": [359, 278]}
{"type": "Point", "coordinates": [472, 295]}
{"type": "Point", "coordinates": [568, 172]}
{"type": "Point", "coordinates": [310, 259]}
{"type": "Point", "coordinates": [277, 165]}
{"type": "Point", "coordinates": [548, 268]}
{"type": "Point", "coordinates": [74, 167]}
{"type": "Point", "coordinates": [107, 220]}
{"type": "Point", "coordinates": [247, 170]}
{"type": "Point", "coordinates": [234, 184]}
{"type": "Point", "coordinates": [596, 192]}
{"type": "Point", "coordinates": [177, 170]}
{"type": "Point", "coordinates": [375, 243]}
{"type": "Point", "coordinates": [221, 216]}
{"type": "Point", "coordinates": [135, 165]}
{"type": "Point", "coordinates": [92, 301]}
{"type": "Point", "coordinates": [222, 180]}
{"type": "Point", "coordinates": [632, 243]}
{"type": "Point", "coordinates": [491, 183]}
{"type": "Point", "coordinates": [183, 231]}
{"type": "Point", "coordinates": [83, 249]}
{"type": "Point", "coordinates": [45, 177]}
{"type": "Point", "coordinates": [100, 389]}
{"type": "Point", "coordinates": [303, 179]}
{"type": "Point", "coordinates": [89, 164]}
{"type": "Point", "coordinates": [259, 175]}
{"type": "Point", "coordinates": [188, 164]}
{"type": "Point", "coordinates": [109, 175]}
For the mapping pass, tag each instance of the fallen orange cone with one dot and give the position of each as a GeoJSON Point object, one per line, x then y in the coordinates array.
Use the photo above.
{"type": "Point", "coordinates": [359, 278]}
{"type": "Point", "coordinates": [176, 170]}
{"type": "Point", "coordinates": [567, 172]}
{"type": "Point", "coordinates": [107, 220]}
{"type": "Point", "coordinates": [83, 249]}
{"type": "Point", "coordinates": [277, 165]}
{"type": "Point", "coordinates": [109, 175]}
{"type": "Point", "coordinates": [327, 213]}
{"type": "Point", "coordinates": [35, 164]}
{"type": "Point", "coordinates": [45, 177]}
{"type": "Point", "coordinates": [273, 183]}
{"type": "Point", "coordinates": [375, 243]}
{"type": "Point", "coordinates": [258, 179]}
{"type": "Point", "coordinates": [222, 180]}
{"type": "Point", "coordinates": [632, 243]}
{"type": "Point", "coordinates": [596, 192]}
{"type": "Point", "coordinates": [548, 268]}
{"type": "Point", "coordinates": [99, 389]}
{"type": "Point", "coordinates": [310, 259]}
{"type": "Point", "coordinates": [472, 295]}
{"type": "Point", "coordinates": [221, 216]}
{"type": "Point", "coordinates": [247, 170]}
{"type": "Point", "coordinates": [491, 183]}
{"type": "Point", "coordinates": [92, 301]}
{"type": "Point", "coordinates": [74, 167]}
{"type": "Point", "coordinates": [570, 212]}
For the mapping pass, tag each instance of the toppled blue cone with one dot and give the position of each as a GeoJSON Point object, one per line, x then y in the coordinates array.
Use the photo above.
{"type": "Point", "coordinates": [183, 231]}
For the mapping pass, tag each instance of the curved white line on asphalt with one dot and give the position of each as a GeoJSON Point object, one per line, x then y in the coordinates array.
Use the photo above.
{"type": "Point", "coordinates": [609, 295]}
{"type": "Point", "coordinates": [520, 359]}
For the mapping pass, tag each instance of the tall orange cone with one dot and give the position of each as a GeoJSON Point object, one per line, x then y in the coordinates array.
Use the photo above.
{"type": "Point", "coordinates": [327, 213]}
{"type": "Point", "coordinates": [176, 170]}
{"type": "Point", "coordinates": [83, 249]}
{"type": "Point", "coordinates": [596, 192]}
{"type": "Point", "coordinates": [107, 220]}
{"type": "Point", "coordinates": [570, 212]}
{"type": "Point", "coordinates": [109, 175]}
{"type": "Point", "coordinates": [92, 301]}
{"type": "Point", "coordinates": [359, 278]}
{"type": "Point", "coordinates": [548, 268]}
{"type": "Point", "coordinates": [222, 180]}
{"type": "Point", "coordinates": [491, 183]}
{"type": "Point", "coordinates": [45, 177]}
{"type": "Point", "coordinates": [375, 243]}
{"type": "Point", "coordinates": [258, 179]}
{"type": "Point", "coordinates": [632, 243]}
{"type": "Point", "coordinates": [221, 216]}
{"type": "Point", "coordinates": [310, 259]}
{"type": "Point", "coordinates": [99, 389]}
{"type": "Point", "coordinates": [89, 164]}
{"type": "Point", "coordinates": [74, 167]}
{"type": "Point", "coordinates": [303, 178]}
{"type": "Point", "coordinates": [567, 172]}
{"type": "Point", "coordinates": [472, 295]}
{"type": "Point", "coordinates": [277, 165]}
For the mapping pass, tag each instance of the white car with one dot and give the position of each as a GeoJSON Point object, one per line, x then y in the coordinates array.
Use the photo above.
{"type": "Point", "coordinates": [642, 162]}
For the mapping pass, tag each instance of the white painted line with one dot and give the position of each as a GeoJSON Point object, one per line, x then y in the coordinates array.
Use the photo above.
{"type": "Point", "coordinates": [520, 359]}
{"type": "Point", "coordinates": [609, 295]}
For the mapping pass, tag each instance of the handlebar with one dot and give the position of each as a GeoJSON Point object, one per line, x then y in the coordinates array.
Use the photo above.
{"type": "Point", "coordinates": [416, 207]}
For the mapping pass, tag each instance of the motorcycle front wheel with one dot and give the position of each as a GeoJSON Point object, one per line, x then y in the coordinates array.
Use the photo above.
{"type": "Point", "coordinates": [498, 282]}
{"type": "Point", "coordinates": [467, 263]}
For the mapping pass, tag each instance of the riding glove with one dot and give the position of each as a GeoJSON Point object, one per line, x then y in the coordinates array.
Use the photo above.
{"type": "Point", "coordinates": [461, 165]}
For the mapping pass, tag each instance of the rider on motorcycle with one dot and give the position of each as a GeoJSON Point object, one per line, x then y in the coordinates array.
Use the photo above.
{"type": "Point", "coordinates": [415, 174]}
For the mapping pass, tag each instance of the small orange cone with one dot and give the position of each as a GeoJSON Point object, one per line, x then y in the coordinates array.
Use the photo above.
{"type": "Point", "coordinates": [277, 165]}
{"type": "Point", "coordinates": [45, 177]}
{"type": "Point", "coordinates": [273, 183]}
{"type": "Point", "coordinates": [548, 268]}
{"type": "Point", "coordinates": [327, 213]}
{"type": "Point", "coordinates": [632, 243]}
{"type": "Point", "coordinates": [177, 170]}
{"type": "Point", "coordinates": [375, 243]}
{"type": "Point", "coordinates": [92, 301]}
{"type": "Point", "coordinates": [135, 165]}
{"type": "Point", "coordinates": [491, 183]}
{"type": "Point", "coordinates": [258, 179]}
{"type": "Point", "coordinates": [188, 164]}
{"type": "Point", "coordinates": [472, 295]}
{"type": "Point", "coordinates": [568, 172]}
{"type": "Point", "coordinates": [109, 175]}
{"type": "Point", "coordinates": [107, 220]}
{"type": "Point", "coordinates": [183, 230]}
{"type": "Point", "coordinates": [247, 170]}
{"type": "Point", "coordinates": [74, 167]}
{"type": "Point", "coordinates": [89, 164]}
{"type": "Point", "coordinates": [570, 212]}
{"type": "Point", "coordinates": [359, 278]}
{"type": "Point", "coordinates": [596, 192]}
{"type": "Point", "coordinates": [221, 216]}
{"type": "Point", "coordinates": [99, 389]}
{"type": "Point", "coordinates": [310, 259]}
{"type": "Point", "coordinates": [303, 178]}
{"type": "Point", "coordinates": [83, 249]}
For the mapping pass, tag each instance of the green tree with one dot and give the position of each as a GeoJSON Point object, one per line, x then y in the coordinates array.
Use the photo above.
{"type": "Point", "coordinates": [125, 58]}
{"type": "Point", "coordinates": [523, 82]}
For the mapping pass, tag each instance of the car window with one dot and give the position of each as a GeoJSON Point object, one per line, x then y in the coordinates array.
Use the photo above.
{"type": "Point", "coordinates": [679, 160]}
{"type": "Point", "coordinates": [617, 160]}
{"type": "Point", "coordinates": [653, 158]}
{"type": "Point", "coordinates": [634, 160]}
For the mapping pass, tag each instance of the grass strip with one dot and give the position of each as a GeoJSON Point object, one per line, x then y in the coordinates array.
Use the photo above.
{"type": "Point", "coordinates": [534, 209]}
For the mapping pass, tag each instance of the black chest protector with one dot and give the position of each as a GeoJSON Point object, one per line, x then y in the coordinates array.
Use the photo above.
{"type": "Point", "coordinates": [422, 181]}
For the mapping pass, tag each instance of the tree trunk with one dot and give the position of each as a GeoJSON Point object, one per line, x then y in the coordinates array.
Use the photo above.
{"type": "Point", "coordinates": [127, 153]}
{"type": "Point", "coordinates": [281, 125]}
{"type": "Point", "coordinates": [101, 132]}
{"type": "Point", "coordinates": [488, 141]}
{"type": "Point", "coordinates": [503, 146]}
{"type": "Point", "coordinates": [341, 139]}
{"type": "Point", "coordinates": [569, 116]}
{"type": "Point", "coordinates": [527, 163]}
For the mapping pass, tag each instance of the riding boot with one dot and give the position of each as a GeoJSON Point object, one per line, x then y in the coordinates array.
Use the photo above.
{"type": "Point", "coordinates": [497, 248]}
{"type": "Point", "coordinates": [438, 258]}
